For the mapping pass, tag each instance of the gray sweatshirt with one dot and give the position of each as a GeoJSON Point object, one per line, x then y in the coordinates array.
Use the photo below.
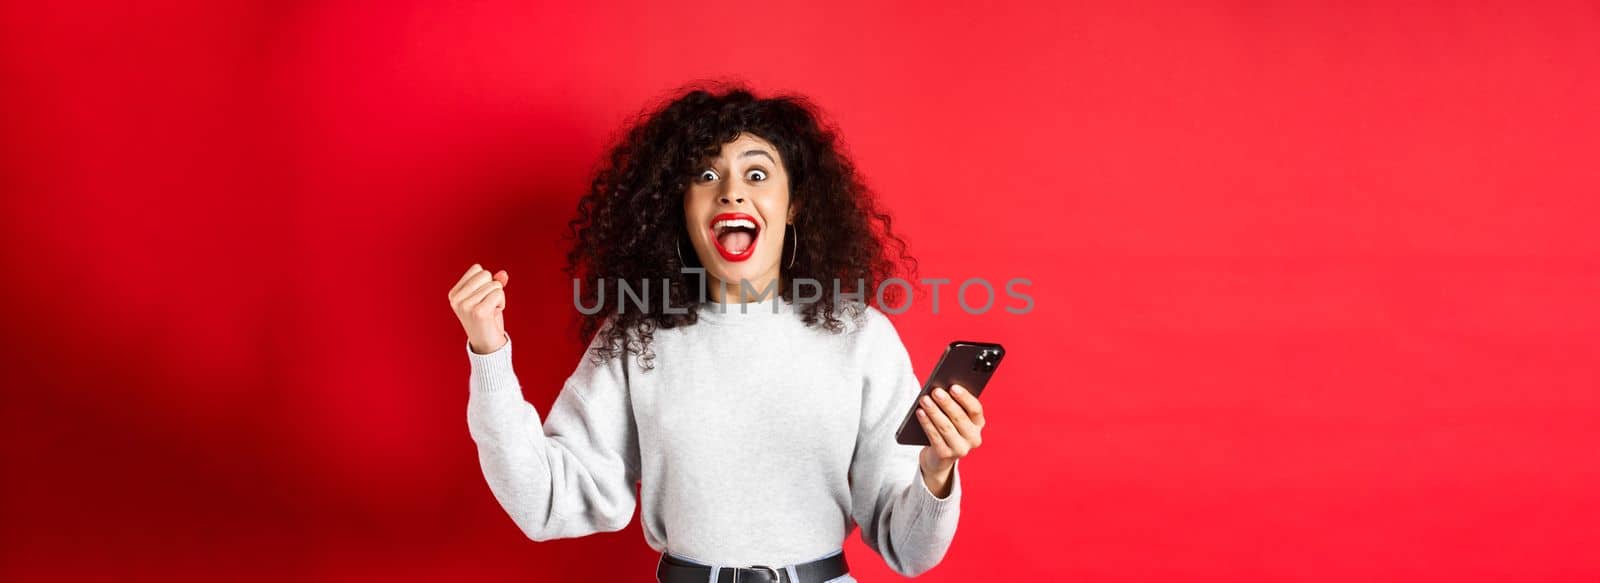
{"type": "Point", "coordinates": [756, 440]}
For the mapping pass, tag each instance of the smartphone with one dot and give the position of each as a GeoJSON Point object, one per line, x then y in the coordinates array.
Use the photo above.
{"type": "Point", "coordinates": [969, 364]}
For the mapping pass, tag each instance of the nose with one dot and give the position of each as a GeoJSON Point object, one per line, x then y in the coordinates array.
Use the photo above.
{"type": "Point", "coordinates": [730, 196]}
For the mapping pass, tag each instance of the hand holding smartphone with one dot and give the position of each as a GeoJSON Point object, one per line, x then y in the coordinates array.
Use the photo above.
{"type": "Point", "coordinates": [969, 364]}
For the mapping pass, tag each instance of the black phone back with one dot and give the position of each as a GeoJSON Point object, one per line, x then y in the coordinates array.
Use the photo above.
{"type": "Point", "coordinates": [969, 364]}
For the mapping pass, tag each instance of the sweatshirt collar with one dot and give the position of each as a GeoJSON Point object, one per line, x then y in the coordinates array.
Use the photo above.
{"type": "Point", "coordinates": [746, 313]}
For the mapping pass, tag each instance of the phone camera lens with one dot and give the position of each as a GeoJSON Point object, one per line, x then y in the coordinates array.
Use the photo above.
{"type": "Point", "coordinates": [987, 360]}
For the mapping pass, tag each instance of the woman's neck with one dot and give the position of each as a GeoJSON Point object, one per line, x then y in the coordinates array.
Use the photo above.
{"type": "Point", "coordinates": [751, 291]}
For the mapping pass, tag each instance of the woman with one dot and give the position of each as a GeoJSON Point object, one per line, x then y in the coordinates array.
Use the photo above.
{"type": "Point", "coordinates": [758, 425]}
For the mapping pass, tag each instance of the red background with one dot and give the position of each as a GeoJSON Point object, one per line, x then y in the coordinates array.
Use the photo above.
{"type": "Point", "coordinates": [1315, 285]}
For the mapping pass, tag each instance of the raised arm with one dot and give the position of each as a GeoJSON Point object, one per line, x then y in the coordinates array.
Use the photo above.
{"type": "Point", "coordinates": [574, 474]}
{"type": "Point", "coordinates": [900, 517]}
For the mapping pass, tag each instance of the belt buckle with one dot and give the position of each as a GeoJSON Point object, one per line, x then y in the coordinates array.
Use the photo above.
{"type": "Point", "coordinates": [776, 577]}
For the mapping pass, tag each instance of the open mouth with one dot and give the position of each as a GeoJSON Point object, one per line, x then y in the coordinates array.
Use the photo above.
{"type": "Point", "coordinates": [735, 235]}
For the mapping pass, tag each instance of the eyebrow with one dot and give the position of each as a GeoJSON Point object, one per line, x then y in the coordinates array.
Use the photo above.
{"type": "Point", "coordinates": [748, 153]}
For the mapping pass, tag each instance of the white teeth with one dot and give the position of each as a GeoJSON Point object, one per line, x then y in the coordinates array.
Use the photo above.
{"type": "Point", "coordinates": [726, 224]}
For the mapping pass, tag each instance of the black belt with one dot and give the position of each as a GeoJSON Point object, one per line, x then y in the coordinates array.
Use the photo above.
{"type": "Point", "coordinates": [673, 570]}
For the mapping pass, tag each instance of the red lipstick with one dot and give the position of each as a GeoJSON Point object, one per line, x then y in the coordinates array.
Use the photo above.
{"type": "Point", "coordinates": [737, 228]}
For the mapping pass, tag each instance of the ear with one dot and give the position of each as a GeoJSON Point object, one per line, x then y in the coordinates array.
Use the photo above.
{"type": "Point", "coordinates": [794, 211]}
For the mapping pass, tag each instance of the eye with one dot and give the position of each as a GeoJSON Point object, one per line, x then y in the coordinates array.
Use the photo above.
{"type": "Point", "coordinates": [757, 175]}
{"type": "Point", "coordinates": [707, 175]}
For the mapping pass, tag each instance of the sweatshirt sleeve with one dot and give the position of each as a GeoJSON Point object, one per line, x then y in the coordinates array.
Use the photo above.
{"type": "Point", "coordinates": [574, 474]}
{"type": "Point", "coordinates": [900, 518]}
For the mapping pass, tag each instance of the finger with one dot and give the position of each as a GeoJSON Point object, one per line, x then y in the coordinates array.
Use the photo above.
{"type": "Point", "coordinates": [502, 277]}
{"type": "Point", "coordinates": [947, 428]}
{"type": "Point", "coordinates": [476, 287]}
{"type": "Point", "coordinates": [970, 403]}
{"type": "Point", "coordinates": [958, 416]}
{"type": "Point", "coordinates": [494, 301]}
{"type": "Point", "coordinates": [951, 408]}
{"type": "Point", "coordinates": [473, 286]}
{"type": "Point", "coordinates": [461, 283]}
{"type": "Point", "coordinates": [476, 298]}
{"type": "Point", "coordinates": [935, 440]}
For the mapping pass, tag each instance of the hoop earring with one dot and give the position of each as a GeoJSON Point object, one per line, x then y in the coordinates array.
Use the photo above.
{"type": "Point", "coordinates": [796, 252]}
{"type": "Point", "coordinates": [677, 245]}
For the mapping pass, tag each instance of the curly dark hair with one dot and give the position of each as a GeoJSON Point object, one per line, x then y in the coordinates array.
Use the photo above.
{"type": "Point", "coordinates": [630, 224]}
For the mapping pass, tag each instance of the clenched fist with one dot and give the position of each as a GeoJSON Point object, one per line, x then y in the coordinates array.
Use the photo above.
{"type": "Point", "coordinates": [479, 300]}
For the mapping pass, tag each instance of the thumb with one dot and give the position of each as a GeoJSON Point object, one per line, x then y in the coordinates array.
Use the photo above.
{"type": "Point", "coordinates": [502, 277]}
